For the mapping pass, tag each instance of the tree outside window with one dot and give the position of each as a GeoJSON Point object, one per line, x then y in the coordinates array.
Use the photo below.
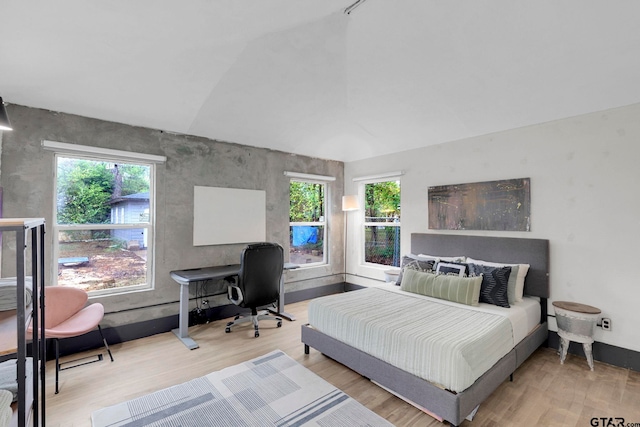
{"type": "Point", "coordinates": [307, 223]}
{"type": "Point", "coordinates": [382, 223]}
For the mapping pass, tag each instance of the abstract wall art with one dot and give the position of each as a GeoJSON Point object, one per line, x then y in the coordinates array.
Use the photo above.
{"type": "Point", "coordinates": [503, 205]}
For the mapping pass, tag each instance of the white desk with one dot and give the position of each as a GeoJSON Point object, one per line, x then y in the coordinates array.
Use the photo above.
{"type": "Point", "coordinates": [186, 277]}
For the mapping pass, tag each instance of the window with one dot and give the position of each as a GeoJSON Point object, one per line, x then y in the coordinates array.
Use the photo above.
{"type": "Point", "coordinates": [382, 223]}
{"type": "Point", "coordinates": [103, 227]}
{"type": "Point", "coordinates": [307, 223]}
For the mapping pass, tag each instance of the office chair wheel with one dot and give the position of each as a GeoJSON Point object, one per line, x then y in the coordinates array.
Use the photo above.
{"type": "Point", "coordinates": [279, 324]}
{"type": "Point", "coordinates": [257, 334]}
{"type": "Point", "coordinates": [227, 329]}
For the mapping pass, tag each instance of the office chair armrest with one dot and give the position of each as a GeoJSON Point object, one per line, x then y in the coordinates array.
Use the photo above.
{"type": "Point", "coordinates": [235, 294]}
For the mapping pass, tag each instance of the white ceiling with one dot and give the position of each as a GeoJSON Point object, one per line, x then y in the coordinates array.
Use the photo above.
{"type": "Point", "coordinates": [303, 77]}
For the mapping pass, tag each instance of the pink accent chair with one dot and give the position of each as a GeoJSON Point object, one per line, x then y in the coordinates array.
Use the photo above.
{"type": "Point", "coordinates": [68, 315]}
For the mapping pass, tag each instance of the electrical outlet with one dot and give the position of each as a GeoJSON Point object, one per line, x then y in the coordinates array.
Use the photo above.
{"type": "Point", "coordinates": [606, 324]}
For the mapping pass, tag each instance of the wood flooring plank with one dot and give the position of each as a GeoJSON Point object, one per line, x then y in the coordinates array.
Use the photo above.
{"type": "Point", "coordinates": [543, 392]}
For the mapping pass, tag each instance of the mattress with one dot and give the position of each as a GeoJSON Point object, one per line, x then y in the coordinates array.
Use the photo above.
{"type": "Point", "coordinates": [448, 344]}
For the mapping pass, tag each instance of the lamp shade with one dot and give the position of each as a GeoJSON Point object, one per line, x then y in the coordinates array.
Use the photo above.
{"type": "Point", "coordinates": [350, 203]}
{"type": "Point", "coordinates": [5, 124]}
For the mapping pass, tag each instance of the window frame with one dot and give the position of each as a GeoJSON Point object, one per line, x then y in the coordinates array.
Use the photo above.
{"type": "Point", "coordinates": [364, 224]}
{"type": "Point", "coordinates": [81, 152]}
{"type": "Point", "coordinates": [324, 224]}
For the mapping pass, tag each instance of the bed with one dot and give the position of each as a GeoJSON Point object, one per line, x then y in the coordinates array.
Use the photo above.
{"type": "Point", "coordinates": [451, 399]}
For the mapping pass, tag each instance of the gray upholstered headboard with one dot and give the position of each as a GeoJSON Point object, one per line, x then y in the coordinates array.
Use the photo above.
{"type": "Point", "coordinates": [534, 252]}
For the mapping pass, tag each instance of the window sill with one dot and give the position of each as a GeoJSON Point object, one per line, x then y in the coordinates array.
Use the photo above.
{"type": "Point", "coordinates": [308, 266]}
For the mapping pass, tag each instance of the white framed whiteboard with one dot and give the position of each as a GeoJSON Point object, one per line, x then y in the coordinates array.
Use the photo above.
{"type": "Point", "coordinates": [228, 215]}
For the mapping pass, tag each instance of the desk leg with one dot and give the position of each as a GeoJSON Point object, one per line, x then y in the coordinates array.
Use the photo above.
{"type": "Point", "coordinates": [183, 330]}
{"type": "Point", "coordinates": [281, 311]}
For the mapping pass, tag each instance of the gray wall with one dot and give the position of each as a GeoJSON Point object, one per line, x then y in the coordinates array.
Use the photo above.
{"type": "Point", "coordinates": [27, 173]}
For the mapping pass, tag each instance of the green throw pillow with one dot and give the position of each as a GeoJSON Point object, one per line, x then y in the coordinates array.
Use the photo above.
{"type": "Point", "coordinates": [464, 290]}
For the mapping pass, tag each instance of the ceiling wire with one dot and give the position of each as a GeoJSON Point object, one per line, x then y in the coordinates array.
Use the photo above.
{"type": "Point", "coordinates": [350, 9]}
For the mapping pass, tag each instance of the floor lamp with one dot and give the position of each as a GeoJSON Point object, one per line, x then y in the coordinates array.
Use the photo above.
{"type": "Point", "coordinates": [349, 203]}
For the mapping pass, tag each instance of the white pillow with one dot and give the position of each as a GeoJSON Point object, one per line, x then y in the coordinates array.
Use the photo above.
{"type": "Point", "coordinates": [514, 293]}
{"type": "Point", "coordinates": [446, 268]}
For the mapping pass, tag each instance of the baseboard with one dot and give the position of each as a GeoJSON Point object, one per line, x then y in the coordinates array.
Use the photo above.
{"type": "Point", "coordinates": [606, 353]}
{"type": "Point", "coordinates": [133, 331]}
{"type": "Point", "coordinates": [351, 287]}
{"type": "Point", "coordinates": [307, 294]}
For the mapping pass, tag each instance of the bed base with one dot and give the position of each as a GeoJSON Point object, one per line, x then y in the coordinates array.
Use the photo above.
{"type": "Point", "coordinates": [452, 407]}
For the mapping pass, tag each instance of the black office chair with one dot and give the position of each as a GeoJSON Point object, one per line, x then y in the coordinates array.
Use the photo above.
{"type": "Point", "coordinates": [258, 283]}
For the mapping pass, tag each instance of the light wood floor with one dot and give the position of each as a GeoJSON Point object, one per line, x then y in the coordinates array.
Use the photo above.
{"type": "Point", "coordinates": [543, 393]}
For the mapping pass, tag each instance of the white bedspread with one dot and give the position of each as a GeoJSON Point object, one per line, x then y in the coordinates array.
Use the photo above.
{"type": "Point", "coordinates": [449, 344]}
{"type": "Point", "coordinates": [524, 315]}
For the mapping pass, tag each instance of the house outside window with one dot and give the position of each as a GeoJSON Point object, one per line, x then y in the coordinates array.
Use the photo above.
{"type": "Point", "coordinates": [131, 210]}
{"type": "Point", "coordinates": [104, 222]}
{"type": "Point", "coordinates": [382, 223]}
{"type": "Point", "coordinates": [307, 223]}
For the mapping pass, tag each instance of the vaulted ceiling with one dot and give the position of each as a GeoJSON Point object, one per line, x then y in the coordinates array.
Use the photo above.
{"type": "Point", "coordinates": [304, 77]}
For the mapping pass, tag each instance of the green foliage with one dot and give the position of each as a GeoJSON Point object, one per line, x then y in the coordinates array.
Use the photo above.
{"type": "Point", "coordinates": [116, 245]}
{"type": "Point", "coordinates": [382, 199]}
{"type": "Point", "coordinates": [135, 179]}
{"type": "Point", "coordinates": [306, 203]}
{"type": "Point", "coordinates": [85, 188]}
{"type": "Point", "coordinates": [382, 204]}
{"type": "Point", "coordinates": [380, 255]}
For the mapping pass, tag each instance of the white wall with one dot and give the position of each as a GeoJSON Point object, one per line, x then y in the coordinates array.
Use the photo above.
{"type": "Point", "coordinates": [585, 199]}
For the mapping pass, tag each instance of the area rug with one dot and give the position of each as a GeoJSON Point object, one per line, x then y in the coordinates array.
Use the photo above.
{"type": "Point", "coordinates": [271, 390]}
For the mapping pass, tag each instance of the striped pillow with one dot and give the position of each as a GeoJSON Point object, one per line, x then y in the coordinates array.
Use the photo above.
{"type": "Point", "coordinates": [464, 290]}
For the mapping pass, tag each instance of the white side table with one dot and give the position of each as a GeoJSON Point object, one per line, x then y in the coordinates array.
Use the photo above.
{"type": "Point", "coordinates": [391, 276]}
{"type": "Point", "coordinates": [576, 322]}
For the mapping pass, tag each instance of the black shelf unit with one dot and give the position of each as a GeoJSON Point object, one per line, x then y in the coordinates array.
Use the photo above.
{"type": "Point", "coordinates": [29, 240]}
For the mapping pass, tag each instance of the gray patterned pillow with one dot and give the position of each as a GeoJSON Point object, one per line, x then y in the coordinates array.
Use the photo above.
{"type": "Point", "coordinates": [417, 263]}
{"type": "Point", "coordinates": [494, 289]}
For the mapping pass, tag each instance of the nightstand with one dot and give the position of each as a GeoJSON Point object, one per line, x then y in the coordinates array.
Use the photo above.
{"type": "Point", "coordinates": [576, 322]}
